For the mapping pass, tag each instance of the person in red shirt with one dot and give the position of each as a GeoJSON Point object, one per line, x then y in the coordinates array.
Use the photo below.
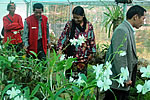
{"type": "Point", "coordinates": [36, 33]}
{"type": "Point", "coordinates": [12, 28]}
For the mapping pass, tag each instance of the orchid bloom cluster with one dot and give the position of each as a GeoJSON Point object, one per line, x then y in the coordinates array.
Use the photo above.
{"type": "Point", "coordinates": [79, 81]}
{"type": "Point", "coordinates": [103, 73]}
{"type": "Point", "coordinates": [14, 94]}
{"type": "Point", "coordinates": [78, 41]}
{"type": "Point", "coordinates": [123, 76]}
{"type": "Point", "coordinates": [146, 87]}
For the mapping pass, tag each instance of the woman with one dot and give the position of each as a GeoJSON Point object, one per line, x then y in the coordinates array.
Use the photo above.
{"type": "Point", "coordinates": [12, 26]}
{"type": "Point", "coordinates": [78, 26]}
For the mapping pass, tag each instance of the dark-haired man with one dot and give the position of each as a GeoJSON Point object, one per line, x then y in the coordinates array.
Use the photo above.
{"type": "Point", "coordinates": [12, 27]}
{"type": "Point", "coordinates": [36, 32]}
{"type": "Point", "coordinates": [124, 39]}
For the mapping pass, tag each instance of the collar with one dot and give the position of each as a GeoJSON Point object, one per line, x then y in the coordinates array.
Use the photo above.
{"type": "Point", "coordinates": [40, 18]}
{"type": "Point", "coordinates": [130, 26]}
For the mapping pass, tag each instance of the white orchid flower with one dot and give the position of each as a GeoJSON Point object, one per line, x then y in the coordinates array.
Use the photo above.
{"type": "Point", "coordinates": [81, 40]}
{"type": "Point", "coordinates": [98, 70]}
{"type": "Point", "coordinates": [71, 79]}
{"type": "Point", "coordinates": [70, 57]}
{"type": "Point", "coordinates": [80, 80]}
{"type": "Point", "coordinates": [120, 81]}
{"type": "Point", "coordinates": [145, 71]}
{"type": "Point", "coordinates": [11, 59]}
{"type": "Point", "coordinates": [104, 84]}
{"type": "Point", "coordinates": [13, 92]}
{"type": "Point", "coordinates": [125, 73]}
{"type": "Point", "coordinates": [145, 88]}
{"type": "Point", "coordinates": [62, 57]}
{"type": "Point", "coordinates": [73, 41]}
{"type": "Point", "coordinates": [123, 53]}
{"type": "Point", "coordinates": [123, 76]}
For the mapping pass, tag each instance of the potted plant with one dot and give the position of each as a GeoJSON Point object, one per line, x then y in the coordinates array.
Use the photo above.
{"type": "Point", "coordinates": [113, 17]}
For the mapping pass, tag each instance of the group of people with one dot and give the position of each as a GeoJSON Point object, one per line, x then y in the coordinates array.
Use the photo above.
{"type": "Point", "coordinates": [36, 38]}
{"type": "Point", "coordinates": [35, 35]}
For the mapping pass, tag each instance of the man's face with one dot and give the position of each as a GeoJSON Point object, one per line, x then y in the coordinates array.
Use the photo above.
{"type": "Point", "coordinates": [12, 9]}
{"type": "Point", "coordinates": [77, 18]}
{"type": "Point", "coordinates": [139, 21]}
{"type": "Point", "coordinates": [38, 13]}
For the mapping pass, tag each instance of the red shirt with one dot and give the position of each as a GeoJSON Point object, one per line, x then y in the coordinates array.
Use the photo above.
{"type": "Point", "coordinates": [33, 33]}
{"type": "Point", "coordinates": [12, 29]}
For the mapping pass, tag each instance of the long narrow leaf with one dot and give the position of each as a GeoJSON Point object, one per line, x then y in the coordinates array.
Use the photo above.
{"type": "Point", "coordinates": [35, 90]}
{"type": "Point", "coordinates": [59, 92]}
{"type": "Point", "coordinates": [48, 90]}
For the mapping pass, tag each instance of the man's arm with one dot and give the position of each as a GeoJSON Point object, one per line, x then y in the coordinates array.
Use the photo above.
{"type": "Point", "coordinates": [25, 36]}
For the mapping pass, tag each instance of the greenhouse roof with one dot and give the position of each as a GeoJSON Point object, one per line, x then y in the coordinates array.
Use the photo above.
{"type": "Point", "coordinates": [142, 2]}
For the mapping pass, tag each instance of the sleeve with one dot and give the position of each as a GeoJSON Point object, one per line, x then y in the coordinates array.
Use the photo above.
{"type": "Point", "coordinates": [63, 37]}
{"type": "Point", "coordinates": [13, 26]}
{"type": "Point", "coordinates": [119, 43]}
{"type": "Point", "coordinates": [25, 34]}
{"type": "Point", "coordinates": [48, 37]}
{"type": "Point", "coordinates": [92, 41]}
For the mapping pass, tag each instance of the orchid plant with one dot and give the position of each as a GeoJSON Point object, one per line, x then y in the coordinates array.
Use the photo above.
{"type": "Point", "coordinates": [51, 83]}
{"type": "Point", "coordinates": [146, 87]}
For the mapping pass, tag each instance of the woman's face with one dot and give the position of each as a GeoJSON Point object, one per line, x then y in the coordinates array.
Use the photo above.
{"type": "Point", "coordinates": [78, 19]}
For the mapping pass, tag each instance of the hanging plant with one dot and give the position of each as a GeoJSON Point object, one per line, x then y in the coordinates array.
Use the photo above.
{"type": "Point", "coordinates": [113, 17]}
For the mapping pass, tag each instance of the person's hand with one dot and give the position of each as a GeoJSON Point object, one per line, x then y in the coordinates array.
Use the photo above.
{"type": "Point", "coordinates": [49, 45]}
{"type": "Point", "coordinates": [25, 48]}
{"type": "Point", "coordinates": [129, 83]}
{"type": "Point", "coordinates": [90, 57]}
{"type": "Point", "coordinates": [59, 52]}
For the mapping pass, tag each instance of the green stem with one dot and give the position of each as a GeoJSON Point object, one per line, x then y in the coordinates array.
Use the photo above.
{"type": "Point", "coordinates": [66, 46]}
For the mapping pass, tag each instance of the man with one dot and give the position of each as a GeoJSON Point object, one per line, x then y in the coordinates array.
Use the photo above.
{"type": "Point", "coordinates": [36, 33]}
{"type": "Point", "coordinates": [12, 27]}
{"type": "Point", "coordinates": [123, 39]}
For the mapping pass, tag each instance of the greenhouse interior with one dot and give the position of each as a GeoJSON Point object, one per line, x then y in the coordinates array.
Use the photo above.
{"type": "Point", "coordinates": [26, 76]}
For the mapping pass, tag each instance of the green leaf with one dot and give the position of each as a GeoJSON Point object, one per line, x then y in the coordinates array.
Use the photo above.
{"type": "Point", "coordinates": [27, 92]}
{"type": "Point", "coordinates": [47, 89]}
{"type": "Point", "coordinates": [83, 77]}
{"type": "Point", "coordinates": [35, 90]}
{"type": "Point", "coordinates": [5, 89]}
{"type": "Point", "coordinates": [17, 66]}
{"type": "Point", "coordinates": [76, 90]}
{"type": "Point", "coordinates": [33, 53]}
{"type": "Point", "coordinates": [59, 92]}
{"type": "Point", "coordinates": [58, 79]}
{"type": "Point", "coordinates": [69, 63]}
{"type": "Point", "coordinates": [75, 97]}
{"type": "Point", "coordinates": [60, 65]}
{"type": "Point", "coordinates": [35, 98]}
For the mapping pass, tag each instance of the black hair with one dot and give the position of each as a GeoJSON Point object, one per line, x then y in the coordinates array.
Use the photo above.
{"type": "Point", "coordinates": [78, 10]}
{"type": "Point", "coordinates": [37, 6]}
{"type": "Point", "coordinates": [136, 9]}
{"type": "Point", "coordinates": [10, 4]}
